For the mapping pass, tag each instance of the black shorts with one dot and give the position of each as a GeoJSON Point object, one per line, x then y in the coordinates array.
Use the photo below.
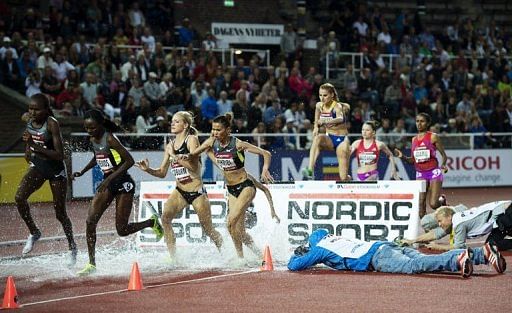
{"type": "Point", "coordinates": [191, 196]}
{"type": "Point", "coordinates": [49, 169]}
{"type": "Point", "coordinates": [122, 184]}
{"type": "Point", "coordinates": [235, 190]}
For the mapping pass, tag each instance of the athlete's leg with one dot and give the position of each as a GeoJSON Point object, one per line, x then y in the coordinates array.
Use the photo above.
{"type": "Point", "coordinates": [423, 201]}
{"type": "Point", "coordinates": [434, 193]}
{"type": "Point", "coordinates": [343, 155]}
{"type": "Point", "coordinates": [204, 213]}
{"type": "Point", "coordinates": [59, 190]}
{"type": "Point", "coordinates": [320, 142]}
{"type": "Point", "coordinates": [32, 181]}
{"type": "Point", "coordinates": [100, 203]}
{"type": "Point", "coordinates": [236, 215]}
{"type": "Point", "coordinates": [124, 205]}
{"type": "Point", "coordinates": [174, 205]}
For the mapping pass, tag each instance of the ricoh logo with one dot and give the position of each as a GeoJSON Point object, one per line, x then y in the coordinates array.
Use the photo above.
{"type": "Point", "coordinates": [366, 220]}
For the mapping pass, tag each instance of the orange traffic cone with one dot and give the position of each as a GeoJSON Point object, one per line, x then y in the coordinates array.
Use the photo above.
{"type": "Point", "coordinates": [10, 295]}
{"type": "Point", "coordinates": [267, 264]}
{"type": "Point", "coordinates": [135, 282]}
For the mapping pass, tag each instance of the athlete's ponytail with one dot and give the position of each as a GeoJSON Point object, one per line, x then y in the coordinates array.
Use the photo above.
{"type": "Point", "coordinates": [100, 118]}
{"type": "Point", "coordinates": [225, 120]}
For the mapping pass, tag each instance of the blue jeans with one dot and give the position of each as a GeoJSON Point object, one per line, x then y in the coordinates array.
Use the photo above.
{"type": "Point", "coordinates": [391, 258]}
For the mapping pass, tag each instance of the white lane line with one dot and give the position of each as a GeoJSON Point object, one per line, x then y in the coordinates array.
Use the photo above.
{"type": "Point", "coordinates": [202, 279]}
{"type": "Point", "coordinates": [147, 287]}
{"type": "Point", "coordinates": [22, 242]}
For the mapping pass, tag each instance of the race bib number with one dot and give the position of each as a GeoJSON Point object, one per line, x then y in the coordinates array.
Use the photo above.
{"type": "Point", "coordinates": [366, 158]}
{"type": "Point", "coordinates": [38, 139]}
{"type": "Point", "coordinates": [226, 164]}
{"type": "Point", "coordinates": [180, 173]}
{"type": "Point", "coordinates": [104, 162]}
{"type": "Point", "coordinates": [421, 155]}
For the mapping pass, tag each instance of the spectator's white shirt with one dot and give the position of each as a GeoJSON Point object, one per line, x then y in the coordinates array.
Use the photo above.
{"type": "Point", "coordinates": [165, 87]}
{"type": "Point", "coordinates": [143, 126]}
{"type": "Point", "coordinates": [89, 92]}
{"type": "Point", "coordinates": [61, 70]}
{"type": "Point", "coordinates": [125, 69]}
{"type": "Point", "coordinates": [32, 87]}
{"type": "Point", "coordinates": [43, 62]}
{"type": "Point", "coordinates": [362, 27]}
{"type": "Point", "coordinates": [152, 90]}
{"type": "Point", "coordinates": [3, 50]}
{"type": "Point", "coordinates": [137, 18]}
{"type": "Point", "coordinates": [209, 44]}
{"type": "Point", "coordinates": [150, 40]}
{"type": "Point", "coordinates": [385, 37]}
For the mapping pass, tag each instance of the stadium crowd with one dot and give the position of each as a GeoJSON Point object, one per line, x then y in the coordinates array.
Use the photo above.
{"type": "Point", "coordinates": [124, 58]}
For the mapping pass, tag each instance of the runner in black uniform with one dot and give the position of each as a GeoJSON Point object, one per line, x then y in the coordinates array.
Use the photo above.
{"type": "Point", "coordinates": [114, 161]}
{"type": "Point", "coordinates": [189, 185]}
{"type": "Point", "coordinates": [45, 153]}
{"type": "Point", "coordinates": [228, 152]}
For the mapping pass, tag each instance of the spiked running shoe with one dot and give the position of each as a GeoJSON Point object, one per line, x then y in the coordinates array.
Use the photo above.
{"type": "Point", "coordinates": [157, 228]}
{"type": "Point", "coordinates": [465, 263]}
{"type": "Point", "coordinates": [87, 270]}
{"type": "Point", "coordinates": [29, 245]}
{"type": "Point", "coordinates": [442, 200]}
{"type": "Point", "coordinates": [494, 258]}
{"type": "Point", "coordinates": [307, 173]}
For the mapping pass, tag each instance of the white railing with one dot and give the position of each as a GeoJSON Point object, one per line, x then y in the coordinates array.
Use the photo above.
{"type": "Point", "coordinates": [450, 141]}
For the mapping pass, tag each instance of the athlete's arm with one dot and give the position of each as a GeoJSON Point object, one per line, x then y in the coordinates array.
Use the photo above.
{"type": "Point", "coordinates": [125, 155]}
{"type": "Point", "coordinates": [383, 147]}
{"type": "Point", "coordinates": [317, 121]}
{"type": "Point", "coordinates": [160, 172]}
{"type": "Point", "coordinates": [58, 153]}
{"type": "Point", "coordinates": [440, 147]}
{"type": "Point", "coordinates": [206, 145]}
{"type": "Point", "coordinates": [265, 174]}
{"type": "Point", "coordinates": [91, 164]}
{"type": "Point", "coordinates": [267, 193]}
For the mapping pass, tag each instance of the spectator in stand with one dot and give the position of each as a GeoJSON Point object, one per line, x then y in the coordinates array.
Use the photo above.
{"type": "Point", "coordinates": [136, 16]}
{"type": "Point", "coordinates": [350, 79]}
{"type": "Point", "coordinates": [152, 91]}
{"type": "Point", "coordinates": [398, 140]}
{"type": "Point", "coordinates": [136, 92]}
{"type": "Point", "coordinates": [258, 139]}
{"type": "Point", "coordinates": [289, 128]}
{"type": "Point", "coordinates": [10, 72]}
{"type": "Point", "coordinates": [479, 131]}
{"type": "Point", "coordinates": [148, 39]}
{"type": "Point", "coordinates": [361, 26]}
{"type": "Point", "coordinates": [7, 47]}
{"type": "Point", "coordinates": [209, 43]}
{"type": "Point", "coordinates": [45, 59]}
{"type": "Point", "coordinates": [224, 105]}
{"type": "Point", "coordinates": [129, 66]}
{"type": "Point", "coordinates": [32, 84]}
{"type": "Point", "coordinates": [277, 143]}
{"type": "Point", "coordinates": [142, 68]}
{"type": "Point", "coordinates": [186, 33]}
{"type": "Point", "coordinates": [198, 94]}
{"type": "Point", "coordinates": [272, 112]}
{"type": "Point", "coordinates": [49, 84]}
{"type": "Point", "coordinates": [61, 67]}
{"type": "Point", "coordinates": [383, 131]}
{"type": "Point", "coordinates": [289, 42]}
{"type": "Point", "coordinates": [392, 100]}
{"type": "Point", "coordinates": [209, 109]}
{"type": "Point", "coordinates": [255, 113]}
{"type": "Point", "coordinates": [89, 88]}
{"type": "Point", "coordinates": [25, 64]}
{"type": "Point", "coordinates": [298, 85]}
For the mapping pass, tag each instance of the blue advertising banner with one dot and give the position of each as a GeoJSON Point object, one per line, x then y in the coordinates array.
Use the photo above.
{"type": "Point", "coordinates": [287, 166]}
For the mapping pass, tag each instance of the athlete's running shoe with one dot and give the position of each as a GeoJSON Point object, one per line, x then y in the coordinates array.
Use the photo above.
{"type": "Point", "coordinates": [442, 200]}
{"type": "Point", "coordinates": [157, 228]}
{"type": "Point", "coordinates": [307, 173]}
{"type": "Point", "coordinates": [31, 240]}
{"type": "Point", "coordinates": [494, 257]}
{"type": "Point", "coordinates": [87, 270]}
{"type": "Point", "coordinates": [465, 263]}
{"type": "Point", "coordinates": [72, 257]}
